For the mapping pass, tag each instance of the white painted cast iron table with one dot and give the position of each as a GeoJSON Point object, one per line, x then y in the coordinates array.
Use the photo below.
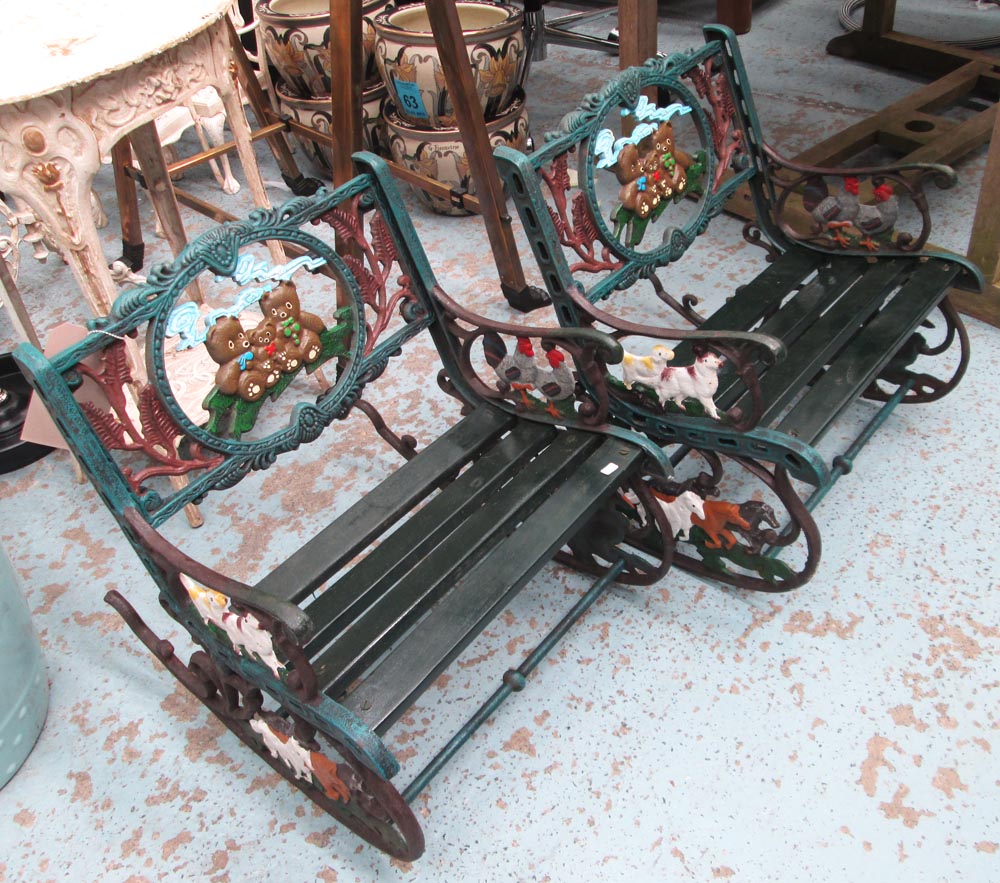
{"type": "Point", "coordinates": [79, 76]}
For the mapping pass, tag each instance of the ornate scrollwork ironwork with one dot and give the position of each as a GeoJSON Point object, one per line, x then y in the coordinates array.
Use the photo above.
{"type": "Point", "coordinates": [853, 210]}
{"type": "Point", "coordinates": [318, 761]}
{"type": "Point", "coordinates": [543, 382]}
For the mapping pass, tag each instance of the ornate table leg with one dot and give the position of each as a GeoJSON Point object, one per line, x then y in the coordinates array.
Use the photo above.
{"type": "Point", "coordinates": [228, 90]}
{"type": "Point", "coordinates": [48, 159]}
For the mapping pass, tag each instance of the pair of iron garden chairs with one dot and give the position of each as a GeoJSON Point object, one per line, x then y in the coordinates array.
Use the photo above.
{"type": "Point", "coordinates": [691, 447]}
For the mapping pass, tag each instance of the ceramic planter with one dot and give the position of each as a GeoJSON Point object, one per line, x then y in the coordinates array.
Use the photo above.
{"type": "Point", "coordinates": [440, 153]}
{"type": "Point", "coordinates": [296, 36]}
{"type": "Point", "coordinates": [408, 62]}
{"type": "Point", "coordinates": [315, 113]}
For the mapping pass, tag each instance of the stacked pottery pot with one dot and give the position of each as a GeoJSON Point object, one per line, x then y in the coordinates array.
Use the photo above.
{"type": "Point", "coordinates": [420, 115]}
{"type": "Point", "coordinates": [296, 39]}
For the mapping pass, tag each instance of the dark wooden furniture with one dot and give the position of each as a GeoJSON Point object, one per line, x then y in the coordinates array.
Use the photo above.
{"type": "Point", "coordinates": [314, 661]}
{"type": "Point", "coordinates": [964, 76]}
{"type": "Point", "coordinates": [849, 319]}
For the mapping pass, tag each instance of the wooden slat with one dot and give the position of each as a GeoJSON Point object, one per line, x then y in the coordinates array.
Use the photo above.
{"type": "Point", "coordinates": [824, 338]}
{"type": "Point", "coordinates": [391, 687]}
{"type": "Point", "coordinates": [795, 318]}
{"type": "Point", "coordinates": [399, 605]}
{"type": "Point", "coordinates": [802, 310]}
{"type": "Point", "coordinates": [759, 297]}
{"type": "Point", "coordinates": [958, 140]}
{"type": "Point", "coordinates": [308, 568]}
{"type": "Point", "coordinates": [403, 549]}
{"type": "Point", "coordinates": [756, 299]}
{"type": "Point", "coordinates": [869, 352]}
{"type": "Point", "coordinates": [847, 143]}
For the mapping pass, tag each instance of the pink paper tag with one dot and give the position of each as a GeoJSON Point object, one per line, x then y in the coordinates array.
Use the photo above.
{"type": "Point", "coordinates": [38, 425]}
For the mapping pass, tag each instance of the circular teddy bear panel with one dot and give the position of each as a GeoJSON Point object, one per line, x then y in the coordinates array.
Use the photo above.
{"type": "Point", "coordinates": [647, 167]}
{"type": "Point", "coordinates": [240, 361]}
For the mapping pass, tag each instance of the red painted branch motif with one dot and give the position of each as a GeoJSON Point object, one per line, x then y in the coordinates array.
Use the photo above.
{"type": "Point", "coordinates": [727, 139]}
{"type": "Point", "coordinates": [576, 229]}
{"type": "Point", "coordinates": [157, 433]}
{"type": "Point", "coordinates": [373, 262]}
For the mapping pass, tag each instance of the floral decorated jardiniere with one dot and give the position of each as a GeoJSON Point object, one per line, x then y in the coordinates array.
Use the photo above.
{"type": "Point", "coordinates": [296, 37]}
{"type": "Point", "coordinates": [316, 113]}
{"type": "Point", "coordinates": [409, 65]}
{"type": "Point", "coordinates": [440, 153]}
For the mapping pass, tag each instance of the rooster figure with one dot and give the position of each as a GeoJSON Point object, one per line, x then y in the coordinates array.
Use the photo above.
{"type": "Point", "coordinates": [879, 219]}
{"type": "Point", "coordinates": [517, 370]}
{"type": "Point", "coordinates": [520, 373]}
{"type": "Point", "coordinates": [834, 214]}
{"type": "Point", "coordinates": [557, 384]}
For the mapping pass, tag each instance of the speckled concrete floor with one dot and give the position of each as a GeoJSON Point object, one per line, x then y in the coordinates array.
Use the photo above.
{"type": "Point", "coordinates": [843, 732]}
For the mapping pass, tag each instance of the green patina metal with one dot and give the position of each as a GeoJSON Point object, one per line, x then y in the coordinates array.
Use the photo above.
{"type": "Point", "coordinates": [313, 664]}
{"type": "Point", "coordinates": [818, 330]}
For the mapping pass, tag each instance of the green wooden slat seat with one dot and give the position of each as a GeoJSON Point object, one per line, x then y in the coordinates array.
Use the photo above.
{"type": "Point", "coordinates": [819, 340]}
{"type": "Point", "coordinates": [312, 564]}
{"type": "Point", "coordinates": [481, 591]}
{"type": "Point", "coordinates": [386, 607]}
{"type": "Point", "coordinates": [792, 319]}
{"type": "Point", "coordinates": [419, 536]}
{"type": "Point", "coordinates": [762, 294]}
{"type": "Point", "coordinates": [861, 361]}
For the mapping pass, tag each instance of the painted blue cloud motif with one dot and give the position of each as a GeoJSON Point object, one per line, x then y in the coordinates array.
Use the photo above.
{"type": "Point", "coordinates": [184, 320]}
{"type": "Point", "coordinates": [607, 148]}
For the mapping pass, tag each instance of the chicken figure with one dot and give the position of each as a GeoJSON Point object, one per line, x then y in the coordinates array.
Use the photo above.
{"type": "Point", "coordinates": [557, 384]}
{"type": "Point", "coordinates": [832, 213]}
{"type": "Point", "coordinates": [875, 220]}
{"type": "Point", "coordinates": [517, 370]}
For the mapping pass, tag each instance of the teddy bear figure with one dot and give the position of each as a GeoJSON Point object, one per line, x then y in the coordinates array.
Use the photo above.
{"type": "Point", "coordinates": [299, 329]}
{"type": "Point", "coordinates": [651, 172]}
{"type": "Point", "coordinates": [239, 372]}
{"type": "Point", "coordinates": [272, 349]}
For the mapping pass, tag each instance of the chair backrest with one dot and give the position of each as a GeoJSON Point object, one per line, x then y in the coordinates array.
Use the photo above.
{"type": "Point", "coordinates": [621, 166]}
{"type": "Point", "coordinates": [257, 338]}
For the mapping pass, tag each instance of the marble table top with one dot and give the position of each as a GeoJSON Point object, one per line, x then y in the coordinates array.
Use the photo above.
{"type": "Point", "coordinates": [48, 45]}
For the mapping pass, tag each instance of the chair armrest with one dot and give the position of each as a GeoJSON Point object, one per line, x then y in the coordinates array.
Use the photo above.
{"type": "Point", "coordinates": [852, 210]}
{"type": "Point", "coordinates": [741, 348]}
{"type": "Point", "coordinates": [173, 562]}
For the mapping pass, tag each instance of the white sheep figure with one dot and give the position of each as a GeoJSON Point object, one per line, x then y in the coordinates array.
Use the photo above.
{"type": "Point", "coordinates": [679, 511]}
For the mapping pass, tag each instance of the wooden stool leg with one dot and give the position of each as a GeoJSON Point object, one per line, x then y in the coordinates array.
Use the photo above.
{"type": "Point", "coordinates": [984, 241]}
{"type": "Point", "coordinates": [447, 31]}
{"type": "Point", "coordinates": [19, 316]}
{"type": "Point", "coordinates": [133, 247]}
{"type": "Point", "coordinates": [229, 94]}
{"type": "Point", "coordinates": [735, 14]}
{"type": "Point", "coordinates": [146, 143]}
{"type": "Point", "coordinates": [293, 177]}
{"type": "Point", "coordinates": [636, 32]}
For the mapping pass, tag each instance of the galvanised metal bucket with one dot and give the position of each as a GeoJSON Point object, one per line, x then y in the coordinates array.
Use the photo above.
{"type": "Point", "coordinates": [24, 688]}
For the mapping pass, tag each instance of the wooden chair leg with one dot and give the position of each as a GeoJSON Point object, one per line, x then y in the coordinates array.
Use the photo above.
{"type": "Point", "coordinates": [133, 247]}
